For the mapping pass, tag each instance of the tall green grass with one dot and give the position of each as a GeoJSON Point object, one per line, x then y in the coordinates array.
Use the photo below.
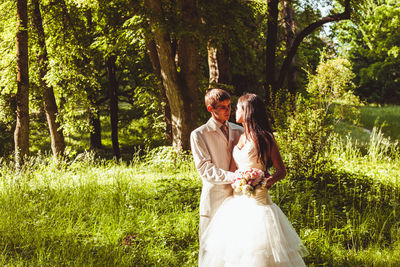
{"type": "Point", "coordinates": [91, 212]}
{"type": "Point", "coordinates": [388, 115]}
{"type": "Point", "coordinates": [378, 158]}
{"type": "Point", "coordinates": [88, 213]}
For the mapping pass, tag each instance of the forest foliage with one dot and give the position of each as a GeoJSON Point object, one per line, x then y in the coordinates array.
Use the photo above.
{"type": "Point", "coordinates": [105, 71]}
{"type": "Point", "coordinates": [371, 42]}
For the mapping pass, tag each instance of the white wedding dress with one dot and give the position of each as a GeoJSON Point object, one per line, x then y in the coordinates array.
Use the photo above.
{"type": "Point", "coordinates": [250, 231]}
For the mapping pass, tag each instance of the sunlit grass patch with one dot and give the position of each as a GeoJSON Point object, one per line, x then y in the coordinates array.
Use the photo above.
{"type": "Point", "coordinates": [378, 158]}
{"type": "Point", "coordinates": [91, 212]}
{"type": "Point", "coordinates": [356, 132]}
{"type": "Point", "coordinates": [388, 115]}
{"type": "Point", "coordinates": [79, 214]}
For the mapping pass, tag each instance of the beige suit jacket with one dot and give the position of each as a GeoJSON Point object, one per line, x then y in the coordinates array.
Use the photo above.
{"type": "Point", "coordinates": [212, 154]}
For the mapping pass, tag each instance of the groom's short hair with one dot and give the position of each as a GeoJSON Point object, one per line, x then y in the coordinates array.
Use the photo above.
{"type": "Point", "coordinates": [215, 95]}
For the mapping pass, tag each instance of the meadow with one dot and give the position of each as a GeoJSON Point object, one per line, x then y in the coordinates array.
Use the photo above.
{"type": "Point", "coordinates": [87, 211]}
{"type": "Point", "coordinates": [91, 213]}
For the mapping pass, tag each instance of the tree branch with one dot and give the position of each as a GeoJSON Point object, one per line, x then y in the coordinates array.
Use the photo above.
{"type": "Point", "coordinates": [306, 31]}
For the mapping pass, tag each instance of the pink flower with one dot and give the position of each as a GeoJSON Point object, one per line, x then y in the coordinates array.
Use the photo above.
{"type": "Point", "coordinates": [247, 180]}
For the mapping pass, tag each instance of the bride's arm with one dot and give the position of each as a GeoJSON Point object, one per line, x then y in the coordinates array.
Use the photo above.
{"type": "Point", "coordinates": [280, 170]}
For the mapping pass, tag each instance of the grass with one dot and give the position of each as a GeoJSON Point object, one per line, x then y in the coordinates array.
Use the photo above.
{"type": "Point", "coordinates": [378, 159]}
{"type": "Point", "coordinates": [389, 116]}
{"type": "Point", "coordinates": [97, 214]}
{"type": "Point", "coordinates": [88, 212]}
{"type": "Point", "coordinates": [359, 133]}
{"type": "Point", "coordinates": [371, 149]}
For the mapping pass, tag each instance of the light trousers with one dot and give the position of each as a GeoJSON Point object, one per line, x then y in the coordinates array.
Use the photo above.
{"type": "Point", "coordinates": [204, 221]}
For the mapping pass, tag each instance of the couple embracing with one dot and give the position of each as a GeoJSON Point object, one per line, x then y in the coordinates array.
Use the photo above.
{"type": "Point", "coordinates": [240, 227]}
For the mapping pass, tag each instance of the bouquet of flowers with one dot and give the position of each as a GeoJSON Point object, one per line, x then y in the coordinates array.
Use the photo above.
{"type": "Point", "coordinates": [247, 180]}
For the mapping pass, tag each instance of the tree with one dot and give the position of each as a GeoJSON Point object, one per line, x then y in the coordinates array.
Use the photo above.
{"type": "Point", "coordinates": [49, 101]}
{"type": "Point", "coordinates": [113, 96]}
{"type": "Point", "coordinates": [272, 82]}
{"type": "Point", "coordinates": [306, 128]}
{"type": "Point", "coordinates": [272, 37]}
{"type": "Point", "coordinates": [155, 62]}
{"type": "Point", "coordinates": [232, 39]}
{"type": "Point", "coordinates": [105, 63]}
{"type": "Point", "coordinates": [371, 42]}
{"type": "Point", "coordinates": [80, 37]}
{"type": "Point", "coordinates": [21, 134]}
{"type": "Point", "coordinates": [97, 63]}
{"type": "Point", "coordinates": [288, 15]}
{"type": "Point", "coordinates": [181, 86]}
{"type": "Point", "coordinates": [93, 109]}
{"type": "Point", "coordinates": [218, 64]}
{"type": "Point", "coordinates": [70, 70]}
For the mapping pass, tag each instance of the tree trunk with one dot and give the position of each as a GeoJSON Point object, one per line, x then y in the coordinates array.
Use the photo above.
{"type": "Point", "coordinates": [21, 133]}
{"type": "Point", "coordinates": [155, 62]}
{"type": "Point", "coordinates": [93, 110]}
{"type": "Point", "coordinates": [180, 89]}
{"type": "Point", "coordinates": [113, 95]}
{"type": "Point", "coordinates": [306, 31]}
{"type": "Point", "coordinates": [290, 30]}
{"type": "Point", "coordinates": [49, 101]}
{"type": "Point", "coordinates": [95, 132]}
{"type": "Point", "coordinates": [188, 56]}
{"type": "Point", "coordinates": [218, 64]}
{"type": "Point", "coordinates": [272, 37]}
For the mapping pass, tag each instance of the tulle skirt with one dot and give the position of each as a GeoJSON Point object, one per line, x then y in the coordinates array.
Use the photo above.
{"type": "Point", "coordinates": [250, 232]}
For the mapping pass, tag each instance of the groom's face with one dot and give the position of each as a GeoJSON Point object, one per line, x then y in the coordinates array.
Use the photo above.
{"type": "Point", "coordinates": [221, 111]}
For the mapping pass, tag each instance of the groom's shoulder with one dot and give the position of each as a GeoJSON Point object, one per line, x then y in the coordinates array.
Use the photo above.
{"type": "Point", "coordinates": [199, 130]}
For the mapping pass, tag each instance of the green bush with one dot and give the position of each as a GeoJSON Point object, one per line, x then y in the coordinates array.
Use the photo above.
{"type": "Point", "coordinates": [305, 122]}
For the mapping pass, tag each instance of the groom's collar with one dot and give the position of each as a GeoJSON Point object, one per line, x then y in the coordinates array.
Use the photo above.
{"type": "Point", "coordinates": [214, 124]}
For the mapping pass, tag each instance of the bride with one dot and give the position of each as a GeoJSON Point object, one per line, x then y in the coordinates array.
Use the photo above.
{"type": "Point", "coordinates": [249, 230]}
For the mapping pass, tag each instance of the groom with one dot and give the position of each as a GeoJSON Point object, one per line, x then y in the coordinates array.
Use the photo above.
{"type": "Point", "coordinates": [212, 145]}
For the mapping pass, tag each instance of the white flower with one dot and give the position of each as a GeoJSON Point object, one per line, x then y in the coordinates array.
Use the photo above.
{"type": "Point", "coordinates": [247, 189]}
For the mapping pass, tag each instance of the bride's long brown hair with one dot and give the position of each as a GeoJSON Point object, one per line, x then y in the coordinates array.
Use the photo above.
{"type": "Point", "coordinates": [257, 126]}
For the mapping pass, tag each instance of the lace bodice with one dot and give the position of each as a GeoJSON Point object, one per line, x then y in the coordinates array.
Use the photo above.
{"type": "Point", "coordinates": [246, 157]}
